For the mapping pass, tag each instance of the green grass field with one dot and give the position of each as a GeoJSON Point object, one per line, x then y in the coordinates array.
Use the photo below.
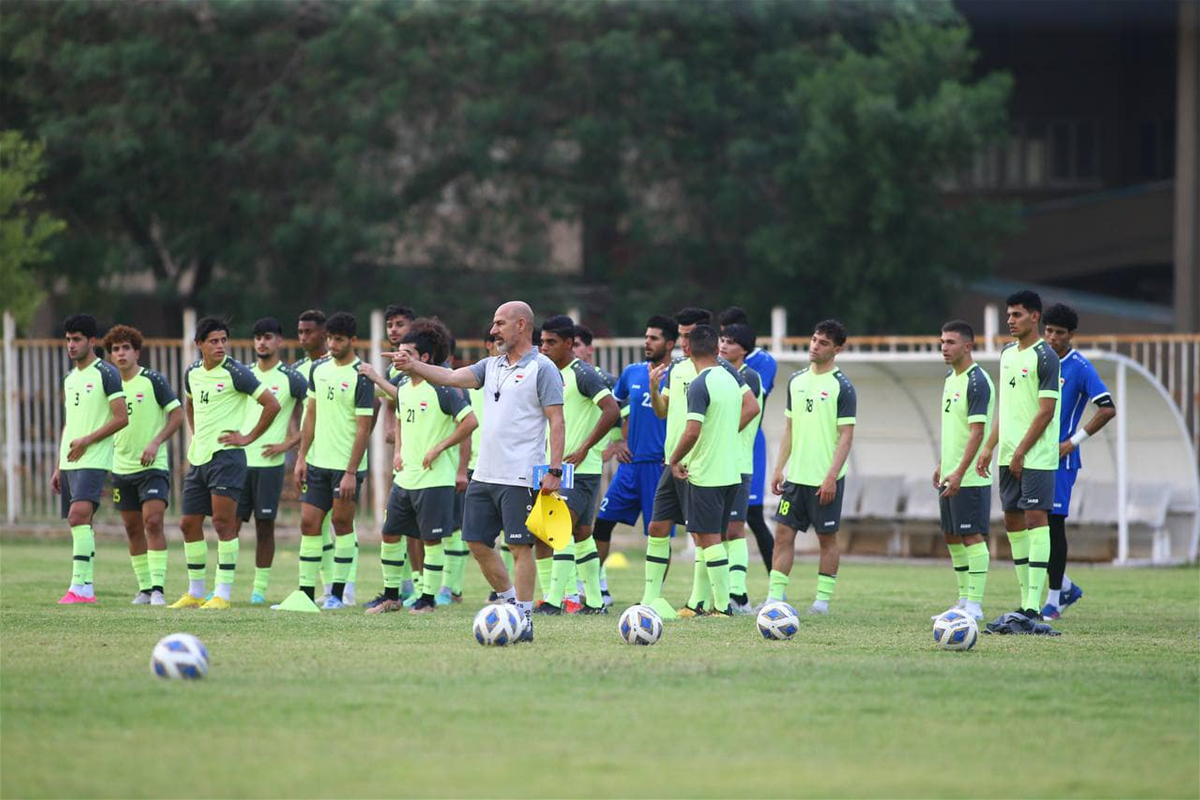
{"type": "Point", "coordinates": [860, 704]}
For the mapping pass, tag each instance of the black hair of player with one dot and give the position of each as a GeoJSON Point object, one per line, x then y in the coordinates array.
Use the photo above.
{"type": "Point", "coordinates": [734, 315]}
{"type": "Point", "coordinates": [584, 334]}
{"type": "Point", "coordinates": [488, 336]}
{"type": "Point", "coordinates": [703, 340]}
{"type": "Point", "coordinates": [560, 325]}
{"type": "Point", "coordinates": [266, 325]}
{"type": "Point", "coordinates": [395, 310]}
{"type": "Point", "coordinates": [832, 330]}
{"type": "Point", "coordinates": [694, 316]}
{"type": "Point", "coordinates": [1061, 315]}
{"type": "Point", "coordinates": [313, 315]}
{"type": "Point", "coordinates": [537, 337]}
{"type": "Point", "coordinates": [82, 323]}
{"type": "Point", "coordinates": [668, 326]}
{"type": "Point", "coordinates": [1027, 298]}
{"type": "Point", "coordinates": [207, 326]}
{"type": "Point", "coordinates": [431, 337]}
{"type": "Point", "coordinates": [961, 327]}
{"type": "Point", "coordinates": [342, 323]}
{"type": "Point", "coordinates": [741, 334]}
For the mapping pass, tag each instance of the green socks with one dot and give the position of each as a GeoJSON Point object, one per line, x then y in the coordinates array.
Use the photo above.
{"type": "Point", "coordinates": [701, 588]}
{"type": "Point", "coordinates": [587, 562]}
{"type": "Point", "coordinates": [196, 556]}
{"type": "Point", "coordinates": [431, 573]}
{"type": "Point", "coordinates": [326, 538]}
{"type": "Point", "coordinates": [344, 547]}
{"type": "Point", "coordinates": [544, 566]}
{"type": "Point", "coordinates": [978, 559]}
{"type": "Point", "coordinates": [141, 570]}
{"type": "Point", "coordinates": [352, 573]}
{"type": "Point", "coordinates": [262, 580]}
{"type": "Point", "coordinates": [157, 559]}
{"type": "Point", "coordinates": [392, 557]}
{"type": "Point", "coordinates": [778, 586]}
{"type": "Point", "coordinates": [1039, 561]}
{"type": "Point", "coordinates": [825, 584]}
{"type": "Point", "coordinates": [739, 560]}
{"type": "Point", "coordinates": [958, 558]}
{"type": "Point", "coordinates": [456, 562]}
{"type": "Point", "coordinates": [658, 556]}
{"type": "Point", "coordinates": [716, 559]}
{"type": "Point", "coordinates": [560, 574]}
{"type": "Point", "coordinates": [311, 550]}
{"type": "Point", "coordinates": [1019, 541]}
{"type": "Point", "coordinates": [227, 558]}
{"type": "Point", "coordinates": [83, 544]}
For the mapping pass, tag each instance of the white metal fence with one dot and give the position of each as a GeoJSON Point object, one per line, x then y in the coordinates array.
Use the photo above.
{"type": "Point", "coordinates": [33, 371]}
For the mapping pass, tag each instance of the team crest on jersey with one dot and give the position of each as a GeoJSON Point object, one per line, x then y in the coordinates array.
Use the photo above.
{"type": "Point", "coordinates": [1024, 372]}
{"type": "Point", "coordinates": [87, 387]}
{"type": "Point", "coordinates": [423, 406]}
{"type": "Point", "coordinates": [275, 390]}
{"type": "Point", "coordinates": [220, 388]}
{"type": "Point", "coordinates": [824, 395]}
{"type": "Point", "coordinates": [956, 396]}
{"type": "Point", "coordinates": [517, 378]}
{"type": "Point", "coordinates": [345, 386]}
{"type": "Point", "coordinates": [139, 397]}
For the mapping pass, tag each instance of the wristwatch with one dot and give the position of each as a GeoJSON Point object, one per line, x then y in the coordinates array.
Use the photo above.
{"type": "Point", "coordinates": [555, 472]}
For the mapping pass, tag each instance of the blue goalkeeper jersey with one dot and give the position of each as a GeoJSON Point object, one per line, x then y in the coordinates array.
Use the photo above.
{"type": "Point", "coordinates": [646, 431]}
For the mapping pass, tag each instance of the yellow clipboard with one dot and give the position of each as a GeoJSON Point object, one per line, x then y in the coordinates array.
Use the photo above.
{"type": "Point", "coordinates": [550, 521]}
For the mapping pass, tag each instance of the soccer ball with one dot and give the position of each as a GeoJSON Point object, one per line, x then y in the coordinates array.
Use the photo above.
{"type": "Point", "coordinates": [955, 630]}
{"type": "Point", "coordinates": [639, 625]}
{"type": "Point", "coordinates": [778, 621]}
{"type": "Point", "coordinates": [498, 624]}
{"type": "Point", "coordinates": [179, 655]}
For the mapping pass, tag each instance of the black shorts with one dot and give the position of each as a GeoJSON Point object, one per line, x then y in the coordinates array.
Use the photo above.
{"type": "Point", "coordinates": [81, 485]}
{"type": "Point", "coordinates": [261, 493]}
{"type": "Point", "coordinates": [741, 502]}
{"type": "Point", "coordinates": [320, 484]}
{"type": "Point", "coordinates": [709, 507]}
{"type": "Point", "coordinates": [967, 512]}
{"type": "Point", "coordinates": [427, 514]}
{"type": "Point", "coordinates": [494, 507]}
{"type": "Point", "coordinates": [224, 475]}
{"type": "Point", "coordinates": [132, 491]}
{"type": "Point", "coordinates": [459, 503]}
{"type": "Point", "coordinates": [1033, 492]}
{"type": "Point", "coordinates": [670, 499]}
{"type": "Point", "coordinates": [581, 499]}
{"type": "Point", "coordinates": [801, 509]}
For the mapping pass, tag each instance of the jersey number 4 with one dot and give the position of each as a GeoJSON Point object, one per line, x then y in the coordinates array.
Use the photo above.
{"type": "Point", "coordinates": [1013, 381]}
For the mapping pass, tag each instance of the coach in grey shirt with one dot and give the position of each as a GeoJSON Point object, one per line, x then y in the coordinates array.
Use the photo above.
{"type": "Point", "coordinates": [522, 390]}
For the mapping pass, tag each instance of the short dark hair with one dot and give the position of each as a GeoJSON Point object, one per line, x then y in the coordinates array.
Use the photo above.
{"type": "Point", "coordinates": [431, 337]}
{"type": "Point", "coordinates": [739, 334]}
{"type": "Point", "coordinates": [313, 315]}
{"type": "Point", "coordinates": [1029, 299]}
{"type": "Point", "coordinates": [668, 326]}
{"type": "Point", "coordinates": [560, 325]}
{"type": "Point", "coordinates": [585, 333]}
{"type": "Point", "coordinates": [342, 323]}
{"type": "Point", "coordinates": [833, 329]}
{"type": "Point", "coordinates": [488, 336]}
{"type": "Point", "coordinates": [734, 315]}
{"type": "Point", "coordinates": [395, 310]}
{"type": "Point", "coordinates": [703, 339]}
{"type": "Point", "coordinates": [537, 337]}
{"type": "Point", "coordinates": [693, 316]}
{"type": "Point", "coordinates": [207, 326]}
{"type": "Point", "coordinates": [120, 334]}
{"type": "Point", "coordinates": [961, 328]}
{"type": "Point", "coordinates": [81, 323]}
{"type": "Point", "coordinates": [1061, 315]}
{"type": "Point", "coordinates": [266, 325]}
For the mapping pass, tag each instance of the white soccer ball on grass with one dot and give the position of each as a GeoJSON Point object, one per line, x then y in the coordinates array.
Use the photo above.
{"type": "Point", "coordinates": [179, 655]}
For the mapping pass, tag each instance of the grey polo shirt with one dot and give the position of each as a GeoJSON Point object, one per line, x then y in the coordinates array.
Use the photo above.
{"type": "Point", "coordinates": [514, 400]}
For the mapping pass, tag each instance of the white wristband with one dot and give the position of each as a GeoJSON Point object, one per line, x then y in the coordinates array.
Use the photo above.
{"type": "Point", "coordinates": [1078, 437]}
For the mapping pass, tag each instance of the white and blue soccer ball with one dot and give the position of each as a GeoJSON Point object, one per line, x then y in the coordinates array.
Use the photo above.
{"type": "Point", "coordinates": [179, 655]}
{"type": "Point", "coordinates": [955, 630]}
{"type": "Point", "coordinates": [640, 625]}
{"type": "Point", "coordinates": [498, 624]}
{"type": "Point", "coordinates": [778, 621]}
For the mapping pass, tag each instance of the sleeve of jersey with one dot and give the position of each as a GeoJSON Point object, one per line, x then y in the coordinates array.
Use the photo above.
{"type": "Point", "coordinates": [978, 397]}
{"type": "Point", "coordinates": [312, 381]}
{"type": "Point", "coordinates": [621, 390]}
{"type": "Point", "coordinates": [591, 385]}
{"type": "Point", "coordinates": [753, 383]}
{"type": "Point", "coordinates": [452, 402]}
{"type": "Point", "coordinates": [364, 397]}
{"type": "Point", "coordinates": [766, 372]}
{"type": "Point", "coordinates": [665, 389]}
{"type": "Point", "coordinates": [847, 404]}
{"type": "Point", "coordinates": [479, 370]}
{"type": "Point", "coordinates": [787, 409]}
{"type": "Point", "coordinates": [244, 381]}
{"type": "Point", "coordinates": [1048, 369]}
{"type": "Point", "coordinates": [1097, 391]}
{"type": "Point", "coordinates": [162, 392]}
{"type": "Point", "coordinates": [732, 370]}
{"type": "Point", "coordinates": [297, 385]}
{"type": "Point", "coordinates": [549, 384]}
{"type": "Point", "coordinates": [698, 399]}
{"type": "Point", "coordinates": [187, 383]}
{"type": "Point", "coordinates": [110, 381]}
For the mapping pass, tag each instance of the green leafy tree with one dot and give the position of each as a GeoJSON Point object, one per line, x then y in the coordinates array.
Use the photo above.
{"type": "Point", "coordinates": [24, 231]}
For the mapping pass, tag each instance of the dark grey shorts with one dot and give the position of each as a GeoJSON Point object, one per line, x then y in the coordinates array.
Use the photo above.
{"type": "Point", "coordinates": [741, 501]}
{"type": "Point", "coordinates": [490, 508]}
{"type": "Point", "coordinates": [800, 508]}
{"type": "Point", "coordinates": [709, 507]}
{"type": "Point", "coordinates": [670, 499]}
{"type": "Point", "coordinates": [427, 514]}
{"type": "Point", "coordinates": [321, 484]}
{"type": "Point", "coordinates": [79, 485]}
{"type": "Point", "coordinates": [224, 475]}
{"type": "Point", "coordinates": [581, 500]}
{"type": "Point", "coordinates": [261, 493]}
{"type": "Point", "coordinates": [131, 491]}
{"type": "Point", "coordinates": [1033, 492]}
{"type": "Point", "coordinates": [968, 511]}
